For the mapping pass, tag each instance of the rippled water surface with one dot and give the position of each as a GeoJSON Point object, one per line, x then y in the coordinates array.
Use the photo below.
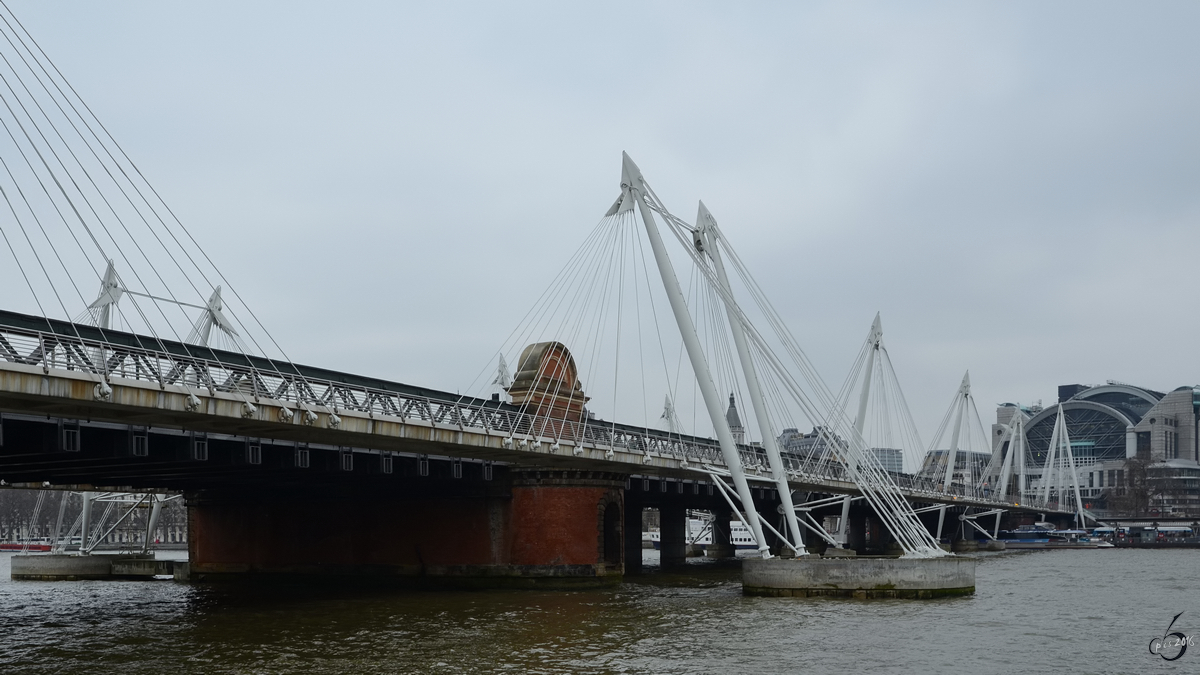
{"type": "Point", "coordinates": [1058, 611]}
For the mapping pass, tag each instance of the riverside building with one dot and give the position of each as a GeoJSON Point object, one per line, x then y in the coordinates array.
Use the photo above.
{"type": "Point", "coordinates": [1136, 450]}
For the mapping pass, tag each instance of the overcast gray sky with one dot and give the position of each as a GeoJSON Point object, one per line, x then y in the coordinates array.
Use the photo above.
{"type": "Point", "coordinates": [1013, 185]}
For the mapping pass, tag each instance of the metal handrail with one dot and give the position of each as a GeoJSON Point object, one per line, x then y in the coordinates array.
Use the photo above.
{"type": "Point", "coordinates": [56, 351]}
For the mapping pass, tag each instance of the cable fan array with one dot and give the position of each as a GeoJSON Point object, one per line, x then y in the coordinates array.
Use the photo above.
{"type": "Point", "coordinates": [883, 418]}
{"type": "Point", "coordinates": [980, 471]}
{"type": "Point", "coordinates": [593, 361]}
{"type": "Point", "coordinates": [1060, 485]}
{"type": "Point", "coordinates": [956, 464]}
{"type": "Point", "coordinates": [601, 325]}
{"type": "Point", "coordinates": [78, 215]}
{"type": "Point", "coordinates": [800, 393]}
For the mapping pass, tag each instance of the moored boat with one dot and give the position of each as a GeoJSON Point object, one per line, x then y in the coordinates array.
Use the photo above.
{"type": "Point", "coordinates": [24, 548]}
{"type": "Point", "coordinates": [699, 533]}
{"type": "Point", "coordinates": [1046, 536]}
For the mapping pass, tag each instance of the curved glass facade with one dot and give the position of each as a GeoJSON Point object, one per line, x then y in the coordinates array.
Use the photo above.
{"type": "Point", "coordinates": [1135, 407]}
{"type": "Point", "coordinates": [1097, 418]}
{"type": "Point", "coordinates": [1094, 433]}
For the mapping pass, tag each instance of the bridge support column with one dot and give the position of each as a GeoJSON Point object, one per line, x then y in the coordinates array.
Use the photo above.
{"type": "Point", "coordinates": [881, 540]}
{"type": "Point", "coordinates": [722, 537]}
{"type": "Point", "coordinates": [673, 525]}
{"type": "Point", "coordinates": [856, 530]}
{"type": "Point", "coordinates": [568, 523]}
{"type": "Point", "coordinates": [633, 534]}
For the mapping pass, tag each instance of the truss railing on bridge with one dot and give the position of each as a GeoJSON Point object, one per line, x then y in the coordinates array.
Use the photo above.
{"type": "Point", "coordinates": [202, 369]}
{"type": "Point", "coordinates": [75, 348]}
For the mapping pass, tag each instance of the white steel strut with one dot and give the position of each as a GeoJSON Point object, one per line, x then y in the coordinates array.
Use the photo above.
{"type": "Point", "coordinates": [706, 227]}
{"type": "Point", "coordinates": [873, 340]}
{"type": "Point", "coordinates": [1013, 461]}
{"type": "Point", "coordinates": [633, 192]}
{"type": "Point", "coordinates": [1059, 457]}
{"type": "Point", "coordinates": [960, 417]}
{"type": "Point", "coordinates": [865, 471]}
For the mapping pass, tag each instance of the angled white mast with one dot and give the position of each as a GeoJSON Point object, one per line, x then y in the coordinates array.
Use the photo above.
{"type": "Point", "coordinates": [212, 316]}
{"type": "Point", "coordinates": [633, 194]}
{"type": "Point", "coordinates": [707, 226]}
{"type": "Point", "coordinates": [866, 471]}
{"type": "Point", "coordinates": [1022, 470]}
{"type": "Point", "coordinates": [212, 312]}
{"type": "Point", "coordinates": [1051, 457]}
{"type": "Point", "coordinates": [1059, 458]}
{"type": "Point", "coordinates": [669, 415]}
{"type": "Point", "coordinates": [1079, 513]}
{"type": "Point", "coordinates": [110, 294]}
{"type": "Point", "coordinates": [503, 379]}
{"type": "Point", "coordinates": [1012, 434]}
{"type": "Point", "coordinates": [960, 418]}
{"type": "Point", "coordinates": [1011, 463]}
{"type": "Point", "coordinates": [874, 338]}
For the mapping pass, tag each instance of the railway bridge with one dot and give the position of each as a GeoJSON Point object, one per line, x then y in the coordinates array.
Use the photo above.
{"type": "Point", "coordinates": [167, 380]}
{"type": "Point", "coordinates": [290, 469]}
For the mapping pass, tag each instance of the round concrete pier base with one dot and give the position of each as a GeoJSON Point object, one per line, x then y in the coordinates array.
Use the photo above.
{"type": "Point", "coordinates": [860, 577]}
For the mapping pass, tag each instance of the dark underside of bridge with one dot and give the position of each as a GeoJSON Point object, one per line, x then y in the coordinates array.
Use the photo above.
{"type": "Point", "coordinates": [259, 509]}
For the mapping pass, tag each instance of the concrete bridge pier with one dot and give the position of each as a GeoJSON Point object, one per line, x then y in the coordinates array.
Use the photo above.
{"type": "Point", "coordinates": [880, 538]}
{"type": "Point", "coordinates": [633, 533]}
{"type": "Point", "coordinates": [856, 530]}
{"type": "Point", "coordinates": [524, 528]}
{"type": "Point", "coordinates": [722, 536]}
{"type": "Point", "coordinates": [673, 527]}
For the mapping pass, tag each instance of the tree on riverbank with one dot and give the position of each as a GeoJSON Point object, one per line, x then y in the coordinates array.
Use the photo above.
{"type": "Point", "coordinates": [1133, 497]}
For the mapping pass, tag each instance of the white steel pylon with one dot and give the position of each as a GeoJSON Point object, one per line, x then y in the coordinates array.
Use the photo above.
{"type": "Point", "coordinates": [1014, 454]}
{"type": "Point", "coordinates": [1060, 457]}
{"type": "Point", "coordinates": [960, 416]}
{"type": "Point", "coordinates": [1010, 454]}
{"type": "Point", "coordinates": [212, 316]}
{"type": "Point", "coordinates": [633, 194]}
{"type": "Point", "coordinates": [884, 419]}
{"type": "Point", "coordinates": [706, 227]}
{"type": "Point", "coordinates": [874, 340]}
{"type": "Point", "coordinates": [966, 437]}
{"type": "Point", "coordinates": [503, 379]}
{"type": "Point", "coordinates": [814, 400]}
{"type": "Point", "coordinates": [669, 415]}
{"type": "Point", "coordinates": [110, 294]}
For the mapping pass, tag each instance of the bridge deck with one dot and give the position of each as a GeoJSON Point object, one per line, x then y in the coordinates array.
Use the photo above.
{"type": "Point", "coordinates": [56, 369]}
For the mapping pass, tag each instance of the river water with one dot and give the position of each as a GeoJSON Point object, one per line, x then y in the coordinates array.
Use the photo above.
{"type": "Point", "coordinates": [1038, 611]}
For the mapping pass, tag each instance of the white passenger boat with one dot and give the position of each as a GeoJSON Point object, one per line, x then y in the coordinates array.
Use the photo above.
{"type": "Point", "coordinates": [699, 533]}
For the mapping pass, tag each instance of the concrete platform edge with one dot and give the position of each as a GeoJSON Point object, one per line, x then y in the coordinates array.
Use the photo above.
{"type": "Point", "coordinates": [860, 577]}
